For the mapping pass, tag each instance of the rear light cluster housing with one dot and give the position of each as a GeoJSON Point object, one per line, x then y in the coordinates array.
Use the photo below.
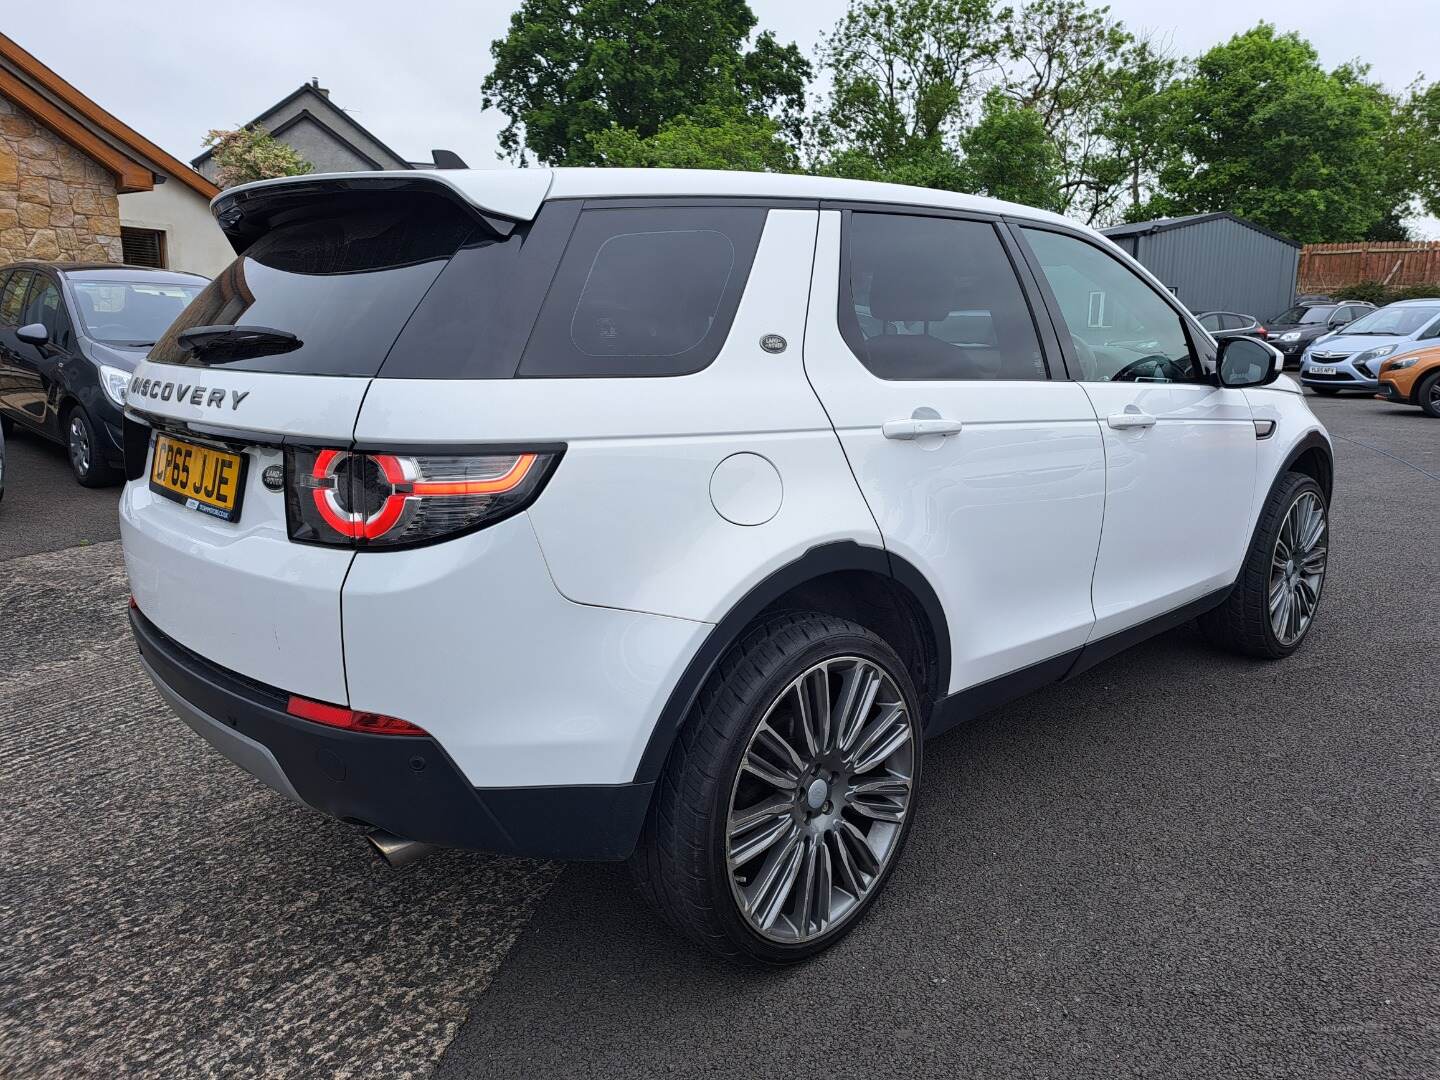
{"type": "Point", "coordinates": [381, 500]}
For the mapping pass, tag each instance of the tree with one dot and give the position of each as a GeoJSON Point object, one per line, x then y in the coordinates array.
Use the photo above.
{"type": "Point", "coordinates": [572, 69]}
{"type": "Point", "coordinates": [713, 138]}
{"type": "Point", "coordinates": [1416, 143]}
{"type": "Point", "coordinates": [252, 153]}
{"type": "Point", "coordinates": [1258, 128]}
{"type": "Point", "coordinates": [1009, 155]}
{"type": "Point", "coordinates": [1092, 83]}
{"type": "Point", "coordinates": [905, 75]}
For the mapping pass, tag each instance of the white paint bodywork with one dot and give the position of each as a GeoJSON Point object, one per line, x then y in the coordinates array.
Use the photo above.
{"type": "Point", "coordinates": [541, 650]}
{"type": "Point", "coordinates": [1003, 518]}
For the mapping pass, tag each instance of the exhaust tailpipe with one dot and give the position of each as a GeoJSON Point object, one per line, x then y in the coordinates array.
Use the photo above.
{"type": "Point", "coordinates": [396, 851]}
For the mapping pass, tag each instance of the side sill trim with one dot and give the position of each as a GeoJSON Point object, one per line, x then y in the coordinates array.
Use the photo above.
{"type": "Point", "coordinates": [974, 701]}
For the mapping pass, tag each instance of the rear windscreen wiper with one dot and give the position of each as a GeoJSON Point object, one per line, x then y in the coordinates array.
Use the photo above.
{"type": "Point", "coordinates": [221, 343]}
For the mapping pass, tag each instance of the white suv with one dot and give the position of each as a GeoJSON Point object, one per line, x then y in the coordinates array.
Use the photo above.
{"type": "Point", "coordinates": [647, 515]}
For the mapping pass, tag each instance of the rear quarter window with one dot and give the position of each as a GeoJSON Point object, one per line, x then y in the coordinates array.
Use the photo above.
{"type": "Point", "coordinates": [343, 277]}
{"type": "Point", "coordinates": [648, 291]}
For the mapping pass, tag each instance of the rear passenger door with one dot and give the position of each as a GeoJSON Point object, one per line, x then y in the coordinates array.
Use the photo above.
{"type": "Point", "coordinates": [1180, 450]}
{"type": "Point", "coordinates": [982, 471]}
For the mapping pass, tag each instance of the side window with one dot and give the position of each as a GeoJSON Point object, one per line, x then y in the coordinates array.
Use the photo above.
{"type": "Point", "coordinates": [644, 291]}
{"type": "Point", "coordinates": [1122, 330]}
{"type": "Point", "coordinates": [44, 307]}
{"type": "Point", "coordinates": [12, 300]}
{"type": "Point", "coordinates": [1211, 321]}
{"type": "Point", "coordinates": [1431, 331]}
{"type": "Point", "coordinates": [935, 298]}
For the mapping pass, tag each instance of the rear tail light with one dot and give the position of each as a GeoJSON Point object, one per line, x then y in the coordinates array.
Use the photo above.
{"type": "Point", "coordinates": [1260, 331]}
{"type": "Point", "coordinates": [338, 716]}
{"type": "Point", "coordinates": [379, 500]}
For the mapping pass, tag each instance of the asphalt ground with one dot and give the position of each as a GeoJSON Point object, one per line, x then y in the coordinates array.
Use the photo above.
{"type": "Point", "coordinates": [1178, 865]}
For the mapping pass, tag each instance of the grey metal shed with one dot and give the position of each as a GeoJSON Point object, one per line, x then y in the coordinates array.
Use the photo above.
{"type": "Point", "coordinates": [1216, 262]}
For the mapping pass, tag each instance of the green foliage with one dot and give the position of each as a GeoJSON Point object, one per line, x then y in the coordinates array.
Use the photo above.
{"type": "Point", "coordinates": [572, 69]}
{"type": "Point", "coordinates": [1009, 155]}
{"type": "Point", "coordinates": [1416, 143]}
{"type": "Point", "coordinates": [1379, 293]}
{"type": "Point", "coordinates": [904, 76]}
{"type": "Point", "coordinates": [714, 138]}
{"type": "Point", "coordinates": [1258, 128]}
{"type": "Point", "coordinates": [252, 153]}
{"type": "Point", "coordinates": [1093, 84]}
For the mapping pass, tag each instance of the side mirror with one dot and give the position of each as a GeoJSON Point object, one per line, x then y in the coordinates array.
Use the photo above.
{"type": "Point", "coordinates": [1246, 362]}
{"type": "Point", "coordinates": [33, 334]}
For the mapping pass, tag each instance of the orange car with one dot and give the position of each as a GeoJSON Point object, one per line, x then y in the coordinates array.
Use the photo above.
{"type": "Point", "coordinates": [1413, 379]}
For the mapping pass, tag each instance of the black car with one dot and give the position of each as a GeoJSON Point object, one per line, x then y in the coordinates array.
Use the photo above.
{"type": "Point", "coordinates": [1297, 326]}
{"type": "Point", "coordinates": [1231, 324]}
{"type": "Point", "coordinates": [70, 335]}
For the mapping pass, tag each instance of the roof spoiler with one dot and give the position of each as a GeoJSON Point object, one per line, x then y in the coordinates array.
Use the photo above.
{"type": "Point", "coordinates": [499, 197]}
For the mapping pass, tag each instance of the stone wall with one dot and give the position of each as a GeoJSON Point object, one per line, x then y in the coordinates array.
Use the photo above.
{"type": "Point", "coordinates": [55, 201]}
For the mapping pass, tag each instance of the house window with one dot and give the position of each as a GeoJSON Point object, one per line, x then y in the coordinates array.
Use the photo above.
{"type": "Point", "coordinates": [143, 247]}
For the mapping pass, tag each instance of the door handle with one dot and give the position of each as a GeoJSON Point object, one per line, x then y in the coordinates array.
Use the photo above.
{"type": "Point", "coordinates": [918, 428]}
{"type": "Point", "coordinates": [1124, 420]}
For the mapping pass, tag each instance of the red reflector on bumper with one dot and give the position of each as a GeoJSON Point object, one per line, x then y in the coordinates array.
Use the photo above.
{"type": "Point", "coordinates": [337, 716]}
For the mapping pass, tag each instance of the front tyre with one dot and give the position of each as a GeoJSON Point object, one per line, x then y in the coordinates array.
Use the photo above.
{"type": "Point", "coordinates": [87, 462]}
{"type": "Point", "coordinates": [1273, 605]}
{"type": "Point", "coordinates": [789, 794]}
{"type": "Point", "coordinates": [1428, 394]}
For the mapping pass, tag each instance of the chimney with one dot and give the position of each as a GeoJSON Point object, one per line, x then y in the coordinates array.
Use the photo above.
{"type": "Point", "coordinates": [315, 85]}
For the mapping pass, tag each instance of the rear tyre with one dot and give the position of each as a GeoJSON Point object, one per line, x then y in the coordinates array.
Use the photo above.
{"type": "Point", "coordinates": [1273, 605]}
{"type": "Point", "coordinates": [789, 793]}
{"type": "Point", "coordinates": [1428, 394]}
{"type": "Point", "coordinates": [1326, 391]}
{"type": "Point", "coordinates": [83, 448]}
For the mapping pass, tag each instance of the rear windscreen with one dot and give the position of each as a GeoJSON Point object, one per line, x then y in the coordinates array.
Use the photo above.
{"type": "Point", "coordinates": [342, 280]}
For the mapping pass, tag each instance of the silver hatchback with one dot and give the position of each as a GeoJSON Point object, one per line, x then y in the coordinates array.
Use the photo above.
{"type": "Point", "coordinates": [1350, 359]}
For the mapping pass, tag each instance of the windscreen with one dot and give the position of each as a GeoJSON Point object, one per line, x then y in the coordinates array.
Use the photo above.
{"type": "Point", "coordinates": [1315, 313]}
{"type": "Point", "coordinates": [129, 314]}
{"type": "Point", "coordinates": [342, 277]}
{"type": "Point", "coordinates": [1401, 321]}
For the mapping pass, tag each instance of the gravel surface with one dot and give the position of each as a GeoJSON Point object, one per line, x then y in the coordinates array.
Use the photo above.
{"type": "Point", "coordinates": [167, 915]}
{"type": "Point", "coordinates": [1179, 865]}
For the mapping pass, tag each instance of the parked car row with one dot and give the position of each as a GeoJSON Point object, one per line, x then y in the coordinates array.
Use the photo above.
{"type": "Point", "coordinates": [1392, 352]}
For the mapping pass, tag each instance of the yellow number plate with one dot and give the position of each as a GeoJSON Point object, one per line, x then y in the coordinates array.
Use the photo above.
{"type": "Point", "coordinates": [201, 477]}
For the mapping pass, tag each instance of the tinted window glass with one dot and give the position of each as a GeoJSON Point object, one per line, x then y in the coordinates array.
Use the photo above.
{"type": "Point", "coordinates": [130, 312]}
{"type": "Point", "coordinates": [936, 298]}
{"type": "Point", "coordinates": [1121, 328]}
{"type": "Point", "coordinates": [343, 279]}
{"type": "Point", "coordinates": [44, 307]}
{"type": "Point", "coordinates": [1210, 321]}
{"type": "Point", "coordinates": [648, 291]}
{"type": "Point", "coordinates": [12, 300]}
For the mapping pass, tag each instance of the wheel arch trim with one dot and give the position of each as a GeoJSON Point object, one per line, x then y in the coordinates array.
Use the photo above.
{"type": "Point", "coordinates": [817, 562]}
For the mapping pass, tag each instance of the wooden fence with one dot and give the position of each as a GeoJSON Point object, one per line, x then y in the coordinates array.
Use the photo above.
{"type": "Point", "coordinates": [1398, 262]}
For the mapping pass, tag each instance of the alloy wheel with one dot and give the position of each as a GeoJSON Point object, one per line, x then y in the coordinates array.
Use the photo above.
{"type": "Point", "coordinates": [819, 801]}
{"type": "Point", "coordinates": [1297, 568]}
{"type": "Point", "coordinates": [79, 445]}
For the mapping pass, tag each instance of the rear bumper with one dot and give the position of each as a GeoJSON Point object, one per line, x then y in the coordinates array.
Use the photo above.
{"type": "Point", "coordinates": [403, 784]}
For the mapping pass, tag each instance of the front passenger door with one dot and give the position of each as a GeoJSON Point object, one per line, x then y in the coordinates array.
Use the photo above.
{"type": "Point", "coordinates": [13, 286]}
{"type": "Point", "coordinates": [1179, 449]}
{"type": "Point", "coordinates": [37, 366]}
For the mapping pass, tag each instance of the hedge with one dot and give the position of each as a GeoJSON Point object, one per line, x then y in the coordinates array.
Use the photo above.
{"type": "Point", "coordinates": [1377, 292]}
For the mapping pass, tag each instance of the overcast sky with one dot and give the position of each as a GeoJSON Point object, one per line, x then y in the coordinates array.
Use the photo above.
{"type": "Point", "coordinates": [411, 72]}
